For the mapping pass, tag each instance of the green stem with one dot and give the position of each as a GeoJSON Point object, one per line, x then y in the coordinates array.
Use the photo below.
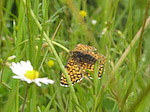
{"type": "Point", "coordinates": [17, 94]}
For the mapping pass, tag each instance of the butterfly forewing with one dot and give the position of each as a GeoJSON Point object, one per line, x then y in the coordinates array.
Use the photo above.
{"type": "Point", "coordinates": [82, 47]}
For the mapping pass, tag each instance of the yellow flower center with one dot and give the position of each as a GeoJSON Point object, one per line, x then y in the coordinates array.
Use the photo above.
{"type": "Point", "coordinates": [32, 74]}
{"type": "Point", "coordinates": [50, 63]}
{"type": "Point", "coordinates": [83, 13]}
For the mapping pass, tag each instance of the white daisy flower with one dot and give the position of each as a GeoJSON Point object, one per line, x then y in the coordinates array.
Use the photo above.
{"type": "Point", "coordinates": [25, 72]}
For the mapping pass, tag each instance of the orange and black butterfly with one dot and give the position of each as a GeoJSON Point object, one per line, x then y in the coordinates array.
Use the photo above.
{"type": "Point", "coordinates": [83, 59]}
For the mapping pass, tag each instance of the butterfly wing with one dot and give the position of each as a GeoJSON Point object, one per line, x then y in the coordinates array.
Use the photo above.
{"type": "Point", "coordinates": [88, 60]}
{"type": "Point", "coordinates": [82, 59]}
{"type": "Point", "coordinates": [73, 70]}
{"type": "Point", "coordinates": [82, 47]}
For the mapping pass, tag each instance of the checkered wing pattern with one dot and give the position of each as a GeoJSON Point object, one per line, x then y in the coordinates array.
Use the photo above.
{"type": "Point", "coordinates": [82, 47]}
{"type": "Point", "coordinates": [88, 60]}
{"type": "Point", "coordinates": [83, 59]}
{"type": "Point", "coordinates": [73, 70]}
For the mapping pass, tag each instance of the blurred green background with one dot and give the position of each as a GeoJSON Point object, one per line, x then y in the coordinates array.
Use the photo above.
{"type": "Point", "coordinates": [122, 88]}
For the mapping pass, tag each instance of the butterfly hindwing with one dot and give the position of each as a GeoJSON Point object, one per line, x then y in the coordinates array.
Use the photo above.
{"type": "Point", "coordinates": [88, 60]}
{"type": "Point", "coordinates": [73, 71]}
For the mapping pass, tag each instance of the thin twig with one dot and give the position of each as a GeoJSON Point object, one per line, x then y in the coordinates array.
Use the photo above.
{"type": "Point", "coordinates": [141, 36]}
{"type": "Point", "coordinates": [56, 30]}
{"type": "Point", "coordinates": [25, 98]}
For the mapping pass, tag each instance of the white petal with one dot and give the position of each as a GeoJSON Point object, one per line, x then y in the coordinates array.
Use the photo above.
{"type": "Point", "coordinates": [16, 69]}
{"type": "Point", "coordinates": [16, 77]}
{"type": "Point", "coordinates": [50, 81]}
{"type": "Point", "coordinates": [27, 80]}
{"type": "Point", "coordinates": [26, 65]}
{"type": "Point", "coordinates": [45, 80]}
{"type": "Point", "coordinates": [37, 82]}
{"type": "Point", "coordinates": [21, 68]}
{"type": "Point", "coordinates": [29, 66]}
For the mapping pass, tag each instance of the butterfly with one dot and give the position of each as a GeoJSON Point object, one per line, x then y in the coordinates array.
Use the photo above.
{"type": "Point", "coordinates": [83, 59]}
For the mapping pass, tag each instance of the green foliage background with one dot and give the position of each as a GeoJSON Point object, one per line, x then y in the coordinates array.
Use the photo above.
{"type": "Point", "coordinates": [24, 28]}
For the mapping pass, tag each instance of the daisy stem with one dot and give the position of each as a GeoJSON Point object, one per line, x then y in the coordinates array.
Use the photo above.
{"type": "Point", "coordinates": [25, 98]}
{"type": "Point", "coordinates": [17, 94]}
